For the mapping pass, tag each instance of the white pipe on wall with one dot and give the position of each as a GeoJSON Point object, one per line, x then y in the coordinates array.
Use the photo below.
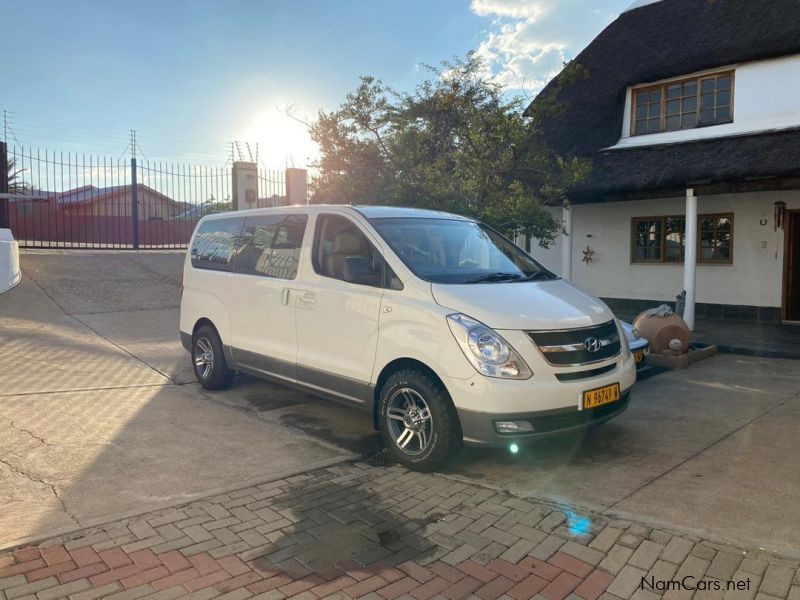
{"type": "Point", "coordinates": [566, 242]}
{"type": "Point", "coordinates": [690, 259]}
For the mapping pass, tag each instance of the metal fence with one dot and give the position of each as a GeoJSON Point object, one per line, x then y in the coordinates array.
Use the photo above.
{"type": "Point", "coordinates": [71, 200]}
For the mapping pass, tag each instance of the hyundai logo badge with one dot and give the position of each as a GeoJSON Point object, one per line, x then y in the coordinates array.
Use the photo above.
{"type": "Point", "coordinates": [592, 344]}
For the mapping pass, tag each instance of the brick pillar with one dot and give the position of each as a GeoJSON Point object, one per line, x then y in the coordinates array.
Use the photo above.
{"type": "Point", "coordinates": [296, 186]}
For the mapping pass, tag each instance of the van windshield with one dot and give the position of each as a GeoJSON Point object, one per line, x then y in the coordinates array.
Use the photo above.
{"type": "Point", "coordinates": [455, 251]}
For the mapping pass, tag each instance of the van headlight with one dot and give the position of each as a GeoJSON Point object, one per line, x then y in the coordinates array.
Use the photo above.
{"type": "Point", "coordinates": [486, 349]}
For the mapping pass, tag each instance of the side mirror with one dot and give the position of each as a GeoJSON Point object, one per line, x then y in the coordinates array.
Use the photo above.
{"type": "Point", "coordinates": [359, 270]}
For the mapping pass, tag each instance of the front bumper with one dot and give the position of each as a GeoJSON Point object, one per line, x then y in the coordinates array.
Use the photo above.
{"type": "Point", "coordinates": [478, 428]}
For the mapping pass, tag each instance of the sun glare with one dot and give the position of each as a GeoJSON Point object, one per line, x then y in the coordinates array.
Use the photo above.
{"type": "Point", "coordinates": [282, 141]}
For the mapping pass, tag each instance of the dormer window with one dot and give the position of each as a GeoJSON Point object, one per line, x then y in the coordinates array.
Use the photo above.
{"type": "Point", "coordinates": [683, 104]}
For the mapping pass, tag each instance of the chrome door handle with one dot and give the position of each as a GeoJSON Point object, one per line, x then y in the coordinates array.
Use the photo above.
{"type": "Point", "coordinates": [307, 300]}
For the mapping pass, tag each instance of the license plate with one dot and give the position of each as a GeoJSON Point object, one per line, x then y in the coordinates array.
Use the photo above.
{"type": "Point", "coordinates": [600, 396]}
{"type": "Point", "coordinates": [638, 356]}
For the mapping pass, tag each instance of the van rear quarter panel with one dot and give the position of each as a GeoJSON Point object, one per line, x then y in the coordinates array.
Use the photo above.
{"type": "Point", "coordinates": [205, 296]}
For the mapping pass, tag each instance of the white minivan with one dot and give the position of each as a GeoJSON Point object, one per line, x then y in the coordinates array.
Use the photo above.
{"type": "Point", "coordinates": [440, 327]}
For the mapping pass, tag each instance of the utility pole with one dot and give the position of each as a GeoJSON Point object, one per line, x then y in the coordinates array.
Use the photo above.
{"type": "Point", "coordinates": [5, 127]}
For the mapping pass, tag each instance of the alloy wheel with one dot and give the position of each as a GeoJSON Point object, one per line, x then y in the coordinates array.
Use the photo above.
{"type": "Point", "coordinates": [203, 357]}
{"type": "Point", "coordinates": [409, 421]}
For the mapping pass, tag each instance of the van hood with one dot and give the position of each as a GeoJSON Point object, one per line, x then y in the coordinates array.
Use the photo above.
{"type": "Point", "coordinates": [555, 304]}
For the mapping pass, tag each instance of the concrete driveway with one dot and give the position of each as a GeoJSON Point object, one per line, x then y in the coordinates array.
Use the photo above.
{"type": "Point", "coordinates": [710, 450]}
{"type": "Point", "coordinates": [88, 431]}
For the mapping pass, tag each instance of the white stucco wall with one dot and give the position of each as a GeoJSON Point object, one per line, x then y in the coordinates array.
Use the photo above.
{"type": "Point", "coordinates": [550, 257]}
{"type": "Point", "coordinates": [766, 95]}
{"type": "Point", "coordinates": [755, 278]}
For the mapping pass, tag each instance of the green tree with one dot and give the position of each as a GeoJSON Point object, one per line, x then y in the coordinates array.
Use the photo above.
{"type": "Point", "coordinates": [457, 143]}
{"type": "Point", "coordinates": [212, 205]}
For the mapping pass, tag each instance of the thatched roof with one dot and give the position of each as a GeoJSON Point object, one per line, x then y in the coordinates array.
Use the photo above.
{"type": "Point", "coordinates": [666, 39]}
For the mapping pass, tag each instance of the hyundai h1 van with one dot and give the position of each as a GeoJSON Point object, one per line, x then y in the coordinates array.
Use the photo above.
{"type": "Point", "coordinates": [440, 327]}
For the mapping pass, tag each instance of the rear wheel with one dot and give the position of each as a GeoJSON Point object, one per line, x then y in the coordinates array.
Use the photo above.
{"type": "Point", "coordinates": [419, 425]}
{"type": "Point", "coordinates": [208, 359]}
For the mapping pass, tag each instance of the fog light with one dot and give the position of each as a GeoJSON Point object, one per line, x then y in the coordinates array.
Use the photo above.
{"type": "Point", "coordinates": [513, 426]}
{"type": "Point", "coordinates": [513, 448]}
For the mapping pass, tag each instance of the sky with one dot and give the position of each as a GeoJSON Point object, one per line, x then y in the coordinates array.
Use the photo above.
{"type": "Point", "coordinates": [190, 76]}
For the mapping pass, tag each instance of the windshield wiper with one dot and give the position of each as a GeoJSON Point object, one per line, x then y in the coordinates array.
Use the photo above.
{"type": "Point", "coordinates": [495, 277]}
{"type": "Point", "coordinates": [537, 275]}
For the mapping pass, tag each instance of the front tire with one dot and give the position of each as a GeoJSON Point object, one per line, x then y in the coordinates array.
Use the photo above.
{"type": "Point", "coordinates": [419, 424]}
{"type": "Point", "coordinates": [208, 359]}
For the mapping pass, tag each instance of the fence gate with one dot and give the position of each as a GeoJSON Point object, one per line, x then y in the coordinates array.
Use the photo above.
{"type": "Point", "coordinates": [72, 200]}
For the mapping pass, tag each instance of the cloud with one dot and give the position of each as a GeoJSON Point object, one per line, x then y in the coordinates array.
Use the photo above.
{"type": "Point", "coordinates": [529, 40]}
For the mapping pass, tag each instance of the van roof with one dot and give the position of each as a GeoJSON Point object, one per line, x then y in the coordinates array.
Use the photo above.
{"type": "Point", "coordinates": [380, 212]}
{"type": "Point", "coordinates": [368, 211]}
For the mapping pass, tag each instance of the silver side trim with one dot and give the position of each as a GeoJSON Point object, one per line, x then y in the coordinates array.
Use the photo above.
{"type": "Point", "coordinates": [338, 386]}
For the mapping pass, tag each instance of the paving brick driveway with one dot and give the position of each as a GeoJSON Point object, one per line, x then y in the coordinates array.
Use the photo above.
{"type": "Point", "coordinates": [353, 531]}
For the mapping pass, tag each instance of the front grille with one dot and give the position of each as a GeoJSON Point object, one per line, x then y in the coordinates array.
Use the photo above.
{"type": "Point", "coordinates": [584, 374]}
{"type": "Point", "coordinates": [576, 418]}
{"type": "Point", "coordinates": [578, 346]}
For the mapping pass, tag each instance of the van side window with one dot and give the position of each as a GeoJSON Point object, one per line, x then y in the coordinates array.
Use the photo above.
{"type": "Point", "coordinates": [213, 244]}
{"type": "Point", "coordinates": [342, 251]}
{"type": "Point", "coordinates": [270, 245]}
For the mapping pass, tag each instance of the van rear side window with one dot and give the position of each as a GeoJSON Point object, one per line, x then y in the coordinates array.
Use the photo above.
{"type": "Point", "coordinates": [270, 246]}
{"type": "Point", "coordinates": [215, 242]}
